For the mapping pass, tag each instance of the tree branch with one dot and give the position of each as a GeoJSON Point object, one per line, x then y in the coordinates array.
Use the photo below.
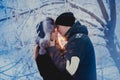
{"type": "Point", "coordinates": [103, 10]}
{"type": "Point", "coordinates": [74, 5]}
{"type": "Point", "coordinates": [112, 15]}
{"type": "Point", "coordinates": [32, 10]}
{"type": "Point", "coordinates": [101, 29]}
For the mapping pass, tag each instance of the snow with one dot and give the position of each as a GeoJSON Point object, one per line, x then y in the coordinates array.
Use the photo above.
{"type": "Point", "coordinates": [17, 37]}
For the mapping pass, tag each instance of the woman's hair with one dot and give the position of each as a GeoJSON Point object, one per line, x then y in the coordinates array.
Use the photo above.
{"type": "Point", "coordinates": [40, 28]}
{"type": "Point", "coordinates": [44, 29]}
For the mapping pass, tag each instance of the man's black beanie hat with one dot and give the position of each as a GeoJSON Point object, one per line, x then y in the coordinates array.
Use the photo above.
{"type": "Point", "coordinates": [65, 19]}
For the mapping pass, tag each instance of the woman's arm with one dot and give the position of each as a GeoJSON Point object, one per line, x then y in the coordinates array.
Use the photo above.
{"type": "Point", "coordinates": [36, 51]}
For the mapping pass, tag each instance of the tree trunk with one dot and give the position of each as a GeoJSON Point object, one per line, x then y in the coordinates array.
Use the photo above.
{"type": "Point", "coordinates": [110, 34]}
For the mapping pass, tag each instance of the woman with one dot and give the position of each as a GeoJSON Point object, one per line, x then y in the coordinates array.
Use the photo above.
{"type": "Point", "coordinates": [46, 62]}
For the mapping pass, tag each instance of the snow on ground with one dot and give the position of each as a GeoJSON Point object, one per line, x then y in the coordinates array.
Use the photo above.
{"type": "Point", "coordinates": [18, 35]}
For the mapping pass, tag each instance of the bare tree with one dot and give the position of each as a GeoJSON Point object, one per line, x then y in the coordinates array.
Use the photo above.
{"type": "Point", "coordinates": [110, 30]}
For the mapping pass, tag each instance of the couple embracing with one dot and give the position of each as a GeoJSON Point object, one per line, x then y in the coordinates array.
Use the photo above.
{"type": "Point", "coordinates": [76, 61]}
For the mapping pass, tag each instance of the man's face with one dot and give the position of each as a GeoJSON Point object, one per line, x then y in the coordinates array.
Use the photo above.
{"type": "Point", "coordinates": [61, 29]}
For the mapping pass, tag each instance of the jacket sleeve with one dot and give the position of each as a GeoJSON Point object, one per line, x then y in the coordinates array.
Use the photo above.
{"type": "Point", "coordinates": [75, 47]}
{"type": "Point", "coordinates": [58, 59]}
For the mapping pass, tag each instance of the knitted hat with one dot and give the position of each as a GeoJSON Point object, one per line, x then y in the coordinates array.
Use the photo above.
{"type": "Point", "coordinates": [65, 19]}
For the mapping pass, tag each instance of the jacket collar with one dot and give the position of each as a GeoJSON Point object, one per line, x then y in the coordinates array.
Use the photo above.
{"type": "Point", "coordinates": [76, 28]}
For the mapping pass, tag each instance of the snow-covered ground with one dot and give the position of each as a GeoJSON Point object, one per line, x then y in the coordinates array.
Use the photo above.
{"type": "Point", "coordinates": [18, 19]}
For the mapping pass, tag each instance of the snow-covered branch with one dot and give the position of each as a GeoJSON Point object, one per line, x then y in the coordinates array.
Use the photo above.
{"type": "Point", "coordinates": [32, 10]}
{"type": "Point", "coordinates": [75, 5]}
{"type": "Point", "coordinates": [103, 10]}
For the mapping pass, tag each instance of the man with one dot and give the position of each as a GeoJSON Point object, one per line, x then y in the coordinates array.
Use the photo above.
{"type": "Point", "coordinates": [78, 59]}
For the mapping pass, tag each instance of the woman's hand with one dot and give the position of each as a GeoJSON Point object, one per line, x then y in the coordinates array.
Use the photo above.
{"type": "Point", "coordinates": [52, 43]}
{"type": "Point", "coordinates": [53, 37]}
{"type": "Point", "coordinates": [36, 51]}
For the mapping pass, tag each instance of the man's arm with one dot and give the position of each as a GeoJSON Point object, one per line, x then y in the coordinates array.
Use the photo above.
{"type": "Point", "coordinates": [63, 62]}
{"type": "Point", "coordinates": [58, 59]}
{"type": "Point", "coordinates": [69, 61]}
